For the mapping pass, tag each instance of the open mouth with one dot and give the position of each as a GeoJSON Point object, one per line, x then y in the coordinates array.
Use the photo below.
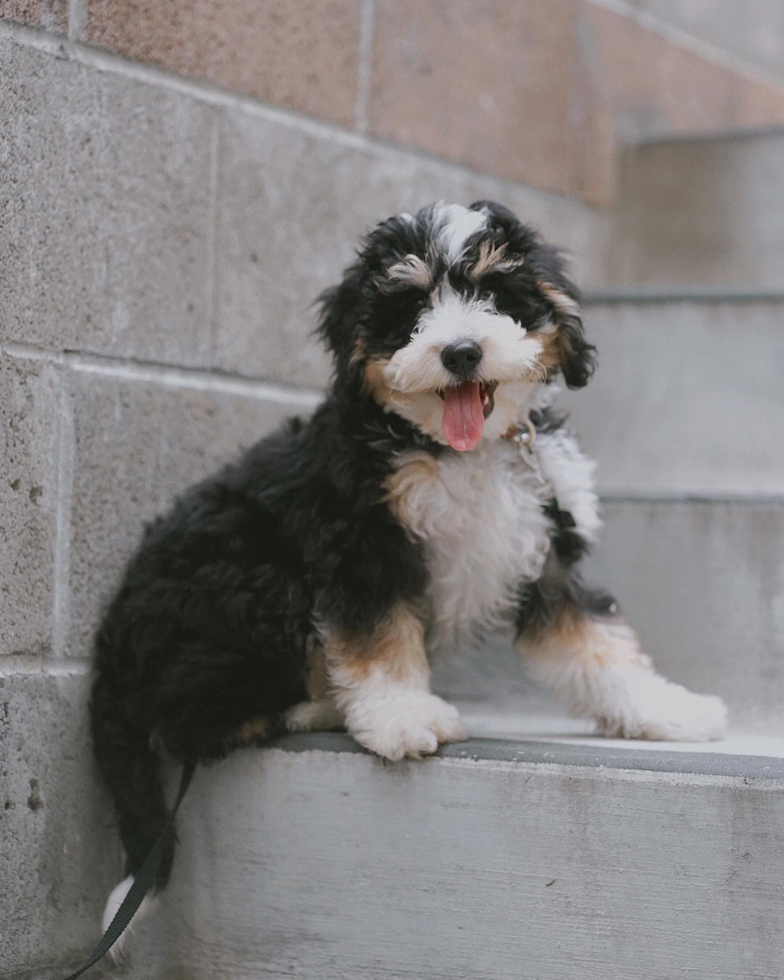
{"type": "Point", "coordinates": [466, 406]}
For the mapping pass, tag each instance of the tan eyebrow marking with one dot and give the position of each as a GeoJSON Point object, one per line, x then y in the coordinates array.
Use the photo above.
{"type": "Point", "coordinates": [491, 259]}
{"type": "Point", "coordinates": [413, 270]}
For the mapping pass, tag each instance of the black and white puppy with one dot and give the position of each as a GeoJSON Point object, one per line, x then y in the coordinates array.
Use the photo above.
{"type": "Point", "coordinates": [432, 494]}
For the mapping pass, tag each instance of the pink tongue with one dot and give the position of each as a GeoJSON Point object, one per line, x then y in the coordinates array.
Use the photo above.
{"type": "Point", "coordinates": [464, 418]}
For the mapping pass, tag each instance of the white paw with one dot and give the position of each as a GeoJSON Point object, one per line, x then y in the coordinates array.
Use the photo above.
{"type": "Point", "coordinates": [671, 714]}
{"type": "Point", "coordinates": [409, 724]}
{"type": "Point", "coordinates": [321, 715]}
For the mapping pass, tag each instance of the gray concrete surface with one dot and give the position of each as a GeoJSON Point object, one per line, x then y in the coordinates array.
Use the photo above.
{"type": "Point", "coordinates": [135, 446]}
{"type": "Point", "coordinates": [485, 870]}
{"type": "Point", "coordinates": [28, 498]}
{"type": "Point", "coordinates": [687, 397]}
{"type": "Point", "coordinates": [59, 852]}
{"type": "Point", "coordinates": [703, 210]}
{"type": "Point", "coordinates": [106, 211]}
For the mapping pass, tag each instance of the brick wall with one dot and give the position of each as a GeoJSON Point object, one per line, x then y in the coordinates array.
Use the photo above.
{"type": "Point", "coordinates": [162, 234]}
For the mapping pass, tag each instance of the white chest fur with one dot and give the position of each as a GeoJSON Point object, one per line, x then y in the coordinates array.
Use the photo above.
{"type": "Point", "coordinates": [481, 521]}
{"type": "Point", "coordinates": [480, 517]}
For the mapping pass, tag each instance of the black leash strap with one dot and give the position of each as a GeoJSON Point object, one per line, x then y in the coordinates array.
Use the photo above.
{"type": "Point", "coordinates": [143, 881]}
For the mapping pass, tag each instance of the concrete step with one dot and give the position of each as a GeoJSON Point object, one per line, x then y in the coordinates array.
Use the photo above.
{"type": "Point", "coordinates": [702, 209]}
{"type": "Point", "coordinates": [688, 394]}
{"type": "Point", "coordinates": [495, 861]}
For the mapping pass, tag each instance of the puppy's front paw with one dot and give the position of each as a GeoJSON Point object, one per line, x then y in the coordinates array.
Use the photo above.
{"type": "Point", "coordinates": [671, 714]}
{"type": "Point", "coordinates": [405, 725]}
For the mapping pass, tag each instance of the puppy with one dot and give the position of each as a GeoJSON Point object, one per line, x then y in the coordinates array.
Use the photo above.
{"type": "Point", "coordinates": [432, 495]}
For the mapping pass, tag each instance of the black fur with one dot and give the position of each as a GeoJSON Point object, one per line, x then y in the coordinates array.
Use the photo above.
{"type": "Point", "coordinates": [211, 623]}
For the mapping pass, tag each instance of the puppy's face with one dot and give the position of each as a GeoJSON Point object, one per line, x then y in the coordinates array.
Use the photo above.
{"type": "Point", "coordinates": [453, 317]}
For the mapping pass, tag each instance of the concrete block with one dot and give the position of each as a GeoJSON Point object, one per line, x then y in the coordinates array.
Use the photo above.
{"type": "Point", "coordinates": [702, 211]}
{"type": "Point", "coordinates": [301, 56]}
{"type": "Point", "coordinates": [60, 855]}
{"type": "Point", "coordinates": [28, 501]}
{"type": "Point", "coordinates": [136, 445]}
{"type": "Point", "coordinates": [333, 864]}
{"type": "Point", "coordinates": [687, 397]}
{"type": "Point", "coordinates": [51, 15]}
{"type": "Point", "coordinates": [294, 201]}
{"type": "Point", "coordinates": [106, 211]}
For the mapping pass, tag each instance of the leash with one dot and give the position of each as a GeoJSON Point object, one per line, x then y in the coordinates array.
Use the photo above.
{"type": "Point", "coordinates": [142, 882]}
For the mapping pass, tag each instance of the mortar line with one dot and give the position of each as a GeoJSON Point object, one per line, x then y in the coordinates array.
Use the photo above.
{"type": "Point", "coordinates": [16, 666]}
{"type": "Point", "coordinates": [681, 38]}
{"type": "Point", "coordinates": [364, 66]}
{"type": "Point", "coordinates": [31, 352]}
{"type": "Point", "coordinates": [212, 242]}
{"type": "Point", "coordinates": [114, 64]}
{"type": "Point", "coordinates": [61, 563]}
{"type": "Point", "coordinates": [193, 378]}
{"type": "Point", "coordinates": [135, 369]}
{"type": "Point", "coordinates": [77, 19]}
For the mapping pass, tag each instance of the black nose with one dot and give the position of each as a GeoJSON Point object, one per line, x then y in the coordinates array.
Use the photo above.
{"type": "Point", "coordinates": [462, 359]}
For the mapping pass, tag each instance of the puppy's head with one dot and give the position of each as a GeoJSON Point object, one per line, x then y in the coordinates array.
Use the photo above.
{"type": "Point", "coordinates": [452, 318]}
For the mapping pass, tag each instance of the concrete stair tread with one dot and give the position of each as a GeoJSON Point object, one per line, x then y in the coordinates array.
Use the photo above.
{"type": "Point", "coordinates": [560, 740]}
{"type": "Point", "coordinates": [542, 727]}
{"type": "Point", "coordinates": [498, 858]}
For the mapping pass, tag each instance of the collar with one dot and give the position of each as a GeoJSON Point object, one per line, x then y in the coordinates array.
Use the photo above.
{"type": "Point", "coordinates": [523, 435]}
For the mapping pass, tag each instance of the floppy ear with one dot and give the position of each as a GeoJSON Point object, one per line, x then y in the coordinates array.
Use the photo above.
{"type": "Point", "coordinates": [341, 308]}
{"type": "Point", "coordinates": [576, 357]}
{"type": "Point", "coordinates": [518, 237]}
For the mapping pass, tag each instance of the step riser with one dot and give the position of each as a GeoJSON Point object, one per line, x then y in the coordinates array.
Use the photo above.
{"type": "Point", "coordinates": [320, 864]}
{"type": "Point", "coordinates": [702, 211]}
{"type": "Point", "coordinates": [703, 584]}
{"type": "Point", "coordinates": [687, 397]}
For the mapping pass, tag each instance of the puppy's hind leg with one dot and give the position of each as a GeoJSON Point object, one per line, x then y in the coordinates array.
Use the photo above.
{"type": "Point", "coordinates": [381, 682]}
{"type": "Point", "coordinates": [579, 648]}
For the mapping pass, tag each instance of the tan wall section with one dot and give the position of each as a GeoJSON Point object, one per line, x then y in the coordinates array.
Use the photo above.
{"type": "Point", "coordinates": [655, 86]}
{"type": "Point", "coordinates": [300, 55]}
{"type": "Point", "coordinates": [496, 85]}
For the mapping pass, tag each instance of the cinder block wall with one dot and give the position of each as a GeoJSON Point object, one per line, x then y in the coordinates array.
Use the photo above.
{"type": "Point", "coordinates": [162, 234]}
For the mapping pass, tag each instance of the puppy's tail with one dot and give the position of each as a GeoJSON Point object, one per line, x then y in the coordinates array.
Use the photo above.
{"type": "Point", "coordinates": [131, 772]}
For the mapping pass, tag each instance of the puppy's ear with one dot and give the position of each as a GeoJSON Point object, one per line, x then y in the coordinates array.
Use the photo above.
{"type": "Point", "coordinates": [576, 357]}
{"type": "Point", "coordinates": [519, 238]}
{"type": "Point", "coordinates": [341, 309]}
